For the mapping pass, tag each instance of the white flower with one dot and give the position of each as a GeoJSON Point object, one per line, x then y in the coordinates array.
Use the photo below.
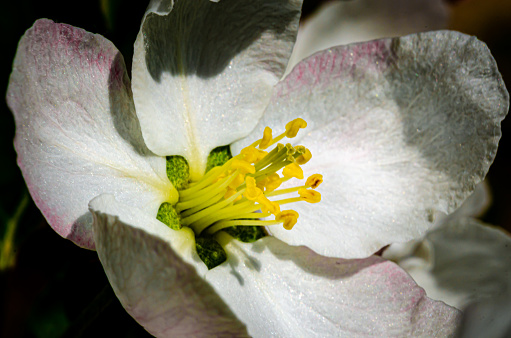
{"type": "Point", "coordinates": [400, 129]}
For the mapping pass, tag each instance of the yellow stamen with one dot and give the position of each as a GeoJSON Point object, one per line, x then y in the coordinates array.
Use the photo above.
{"type": "Point", "coordinates": [293, 127]}
{"type": "Point", "coordinates": [267, 137]}
{"type": "Point", "coordinates": [293, 170]}
{"type": "Point", "coordinates": [207, 179]}
{"type": "Point", "coordinates": [267, 205]}
{"type": "Point", "coordinates": [237, 192]}
{"type": "Point", "coordinates": [310, 196]}
{"type": "Point", "coordinates": [252, 154]}
{"type": "Point", "coordinates": [219, 177]}
{"type": "Point", "coordinates": [243, 166]}
{"type": "Point", "coordinates": [304, 158]}
{"type": "Point", "coordinates": [314, 181]}
{"type": "Point", "coordinates": [262, 183]}
{"type": "Point", "coordinates": [231, 192]}
{"type": "Point", "coordinates": [252, 192]}
{"type": "Point", "coordinates": [272, 182]}
{"type": "Point", "coordinates": [237, 181]}
{"type": "Point", "coordinates": [288, 217]}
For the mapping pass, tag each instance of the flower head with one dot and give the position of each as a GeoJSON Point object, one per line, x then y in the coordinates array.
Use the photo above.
{"type": "Point", "coordinates": [398, 129]}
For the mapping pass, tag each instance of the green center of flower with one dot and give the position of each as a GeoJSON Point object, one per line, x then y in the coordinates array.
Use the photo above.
{"type": "Point", "coordinates": [239, 194]}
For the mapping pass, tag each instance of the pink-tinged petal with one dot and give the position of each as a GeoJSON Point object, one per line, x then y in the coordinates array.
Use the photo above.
{"type": "Point", "coordinates": [285, 291]}
{"type": "Point", "coordinates": [77, 134]}
{"type": "Point", "coordinates": [343, 22]}
{"type": "Point", "coordinates": [153, 271]}
{"type": "Point", "coordinates": [466, 261]}
{"type": "Point", "coordinates": [400, 129]}
{"type": "Point", "coordinates": [204, 73]}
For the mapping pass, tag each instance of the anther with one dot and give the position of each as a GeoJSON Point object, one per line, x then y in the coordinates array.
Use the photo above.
{"type": "Point", "coordinates": [252, 192]}
{"type": "Point", "coordinates": [310, 196]}
{"type": "Point", "coordinates": [252, 154]}
{"type": "Point", "coordinates": [267, 138]}
{"type": "Point", "coordinates": [305, 157]}
{"type": "Point", "coordinates": [243, 166]}
{"type": "Point", "coordinates": [293, 127]}
{"type": "Point", "coordinates": [314, 181]}
{"type": "Point", "coordinates": [288, 217]}
{"type": "Point", "coordinates": [267, 205]}
{"type": "Point", "coordinates": [293, 170]}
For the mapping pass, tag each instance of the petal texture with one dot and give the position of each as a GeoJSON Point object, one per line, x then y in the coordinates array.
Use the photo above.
{"type": "Point", "coordinates": [285, 291]}
{"type": "Point", "coordinates": [400, 129]}
{"type": "Point", "coordinates": [152, 270]}
{"type": "Point", "coordinates": [203, 74]}
{"type": "Point", "coordinates": [466, 261]}
{"type": "Point", "coordinates": [343, 22]}
{"type": "Point", "coordinates": [77, 134]}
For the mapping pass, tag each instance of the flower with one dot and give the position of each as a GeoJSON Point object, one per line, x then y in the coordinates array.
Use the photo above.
{"type": "Point", "coordinates": [399, 128]}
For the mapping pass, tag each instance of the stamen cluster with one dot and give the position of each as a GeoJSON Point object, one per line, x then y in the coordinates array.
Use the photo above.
{"type": "Point", "coordinates": [238, 192]}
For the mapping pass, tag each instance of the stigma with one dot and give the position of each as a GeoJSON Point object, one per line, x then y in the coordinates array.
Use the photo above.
{"type": "Point", "coordinates": [244, 191]}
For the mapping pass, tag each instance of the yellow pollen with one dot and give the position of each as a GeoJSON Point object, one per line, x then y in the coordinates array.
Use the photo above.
{"type": "Point", "coordinates": [314, 181]}
{"type": "Point", "coordinates": [310, 196]}
{"type": "Point", "coordinates": [293, 170]}
{"type": "Point", "coordinates": [273, 182]}
{"type": "Point", "coordinates": [304, 158]}
{"type": "Point", "coordinates": [243, 166]}
{"type": "Point", "coordinates": [262, 183]}
{"type": "Point", "coordinates": [237, 193]}
{"type": "Point", "coordinates": [231, 192]}
{"type": "Point", "coordinates": [288, 217]}
{"type": "Point", "coordinates": [252, 155]}
{"type": "Point", "coordinates": [237, 181]}
{"type": "Point", "coordinates": [252, 192]}
{"type": "Point", "coordinates": [267, 205]}
{"type": "Point", "coordinates": [267, 137]}
{"type": "Point", "coordinates": [293, 127]}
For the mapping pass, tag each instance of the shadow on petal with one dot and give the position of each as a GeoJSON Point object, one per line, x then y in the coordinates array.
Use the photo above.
{"type": "Point", "coordinates": [122, 106]}
{"type": "Point", "coordinates": [203, 37]}
{"type": "Point", "coordinates": [81, 231]}
{"type": "Point", "coordinates": [327, 267]}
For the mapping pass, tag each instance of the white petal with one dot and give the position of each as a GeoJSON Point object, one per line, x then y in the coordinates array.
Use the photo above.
{"type": "Point", "coordinates": [343, 22]}
{"type": "Point", "coordinates": [284, 291]}
{"type": "Point", "coordinates": [77, 134]}
{"type": "Point", "coordinates": [469, 261]}
{"type": "Point", "coordinates": [153, 271]}
{"type": "Point", "coordinates": [473, 206]}
{"type": "Point", "coordinates": [203, 74]}
{"type": "Point", "coordinates": [399, 128]}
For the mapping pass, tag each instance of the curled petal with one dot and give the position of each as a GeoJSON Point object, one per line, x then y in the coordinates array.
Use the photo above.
{"type": "Point", "coordinates": [153, 271]}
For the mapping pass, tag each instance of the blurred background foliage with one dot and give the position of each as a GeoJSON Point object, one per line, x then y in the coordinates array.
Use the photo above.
{"type": "Point", "coordinates": [49, 287]}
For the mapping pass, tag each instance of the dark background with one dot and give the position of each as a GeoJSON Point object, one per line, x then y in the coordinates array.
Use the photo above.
{"type": "Point", "coordinates": [57, 289]}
